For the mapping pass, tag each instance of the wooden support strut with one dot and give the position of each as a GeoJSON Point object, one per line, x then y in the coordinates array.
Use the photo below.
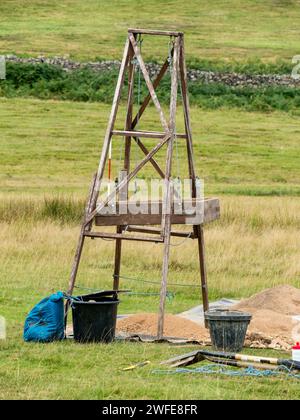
{"type": "Point", "coordinates": [168, 194]}
{"type": "Point", "coordinates": [198, 230]}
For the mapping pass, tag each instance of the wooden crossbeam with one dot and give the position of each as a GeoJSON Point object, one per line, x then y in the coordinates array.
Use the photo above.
{"type": "Point", "coordinates": [157, 231]}
{"type": "Point", "coordinates": [152, 32]}
{"type": "Point", "coordinates": [105, 235]}
{"type": "Point", "coordinates": [145, 134]}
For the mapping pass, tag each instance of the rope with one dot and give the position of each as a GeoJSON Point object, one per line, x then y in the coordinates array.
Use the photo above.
{"type": "Point", "coordinates": [215, 369]}
{"type": "Point", "coordinates": [183, 241]}
{"type": "Point", "coordinates": [170, 295]}
{"type": "Point", "coordinates": [140, 42]}
{"type": "Point", "coordinates": [158, 282]}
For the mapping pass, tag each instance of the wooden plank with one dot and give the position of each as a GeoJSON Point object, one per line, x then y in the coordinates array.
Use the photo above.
{"type": "Point", "coordinates": [198, 230]}
{"type": "Point", "coordinates": [149, 219]}
{"type": "Point", "coordinates": [129, 177]}
{"type": "Point", "coordinates": [148, 97]}
{"type": "Point", "coordinates": [80, 244]}
{"type": "Point", "coordinates": [128, 121]}
{"type": "Point", "coordinates": [107, 235]}
{"type": "Point", "coordinates": [157, 231]}
{"type": "Point", "coordinates": [211, 213]}
{"type": "Point", "coordinates": [186, 109]}
{"type": "Point", "coordinates": [153, 32]}
{"type": "Point", "coordinates": [146, 134]}
{"type": "Point", "coordinates": [123, 194]}
{"type": "Point", "coordinates": [168, 196]}
{"type": "Point", "coordinates": [148, 82]}
{"type": "Point", "coordinates": [203, 273]}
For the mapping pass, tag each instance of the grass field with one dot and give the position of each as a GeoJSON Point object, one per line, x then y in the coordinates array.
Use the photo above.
{"type": "Point", "coordinates": [239, 29]}
{"type": "Point", "coordinates": [50, 149]}
{"type": "Point", "coordinates": [54, 147]}
{"type": "Point", "coordinates": [254, 246]}
{"type": "Point", "coordinates": [48, 152]}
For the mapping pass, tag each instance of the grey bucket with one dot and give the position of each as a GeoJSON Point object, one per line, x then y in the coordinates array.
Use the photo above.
{"type": "Point", "coordinates": [228, 329]}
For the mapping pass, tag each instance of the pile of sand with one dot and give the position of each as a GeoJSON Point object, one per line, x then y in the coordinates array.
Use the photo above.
{"type": "Point", "coordinates": [174, 326]}
{"type": "Point", "coordinates": [272, 312]}
{"type": "Point", "coordinates": [271, 326]}
{"type": "Point", "coordinates": [282, 299]}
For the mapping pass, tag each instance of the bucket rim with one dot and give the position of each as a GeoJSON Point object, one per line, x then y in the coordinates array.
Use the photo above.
{"type": "Point", "coordinates": [107, 302]}
{"type": "Point", "coordinates": [227, 315]}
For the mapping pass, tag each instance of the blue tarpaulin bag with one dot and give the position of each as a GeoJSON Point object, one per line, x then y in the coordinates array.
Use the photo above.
{"type": "Point", "coordinates": [45, 322]}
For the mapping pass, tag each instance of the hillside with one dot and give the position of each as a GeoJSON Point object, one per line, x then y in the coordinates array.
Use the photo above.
{"type": "Point", "coordinates": [235, 29]}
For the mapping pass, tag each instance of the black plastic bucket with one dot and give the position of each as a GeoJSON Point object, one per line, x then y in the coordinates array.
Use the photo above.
{"type": "Point", "coordinates": [94, 318]}
{"type": "Point", "coordinates": [228, 329]}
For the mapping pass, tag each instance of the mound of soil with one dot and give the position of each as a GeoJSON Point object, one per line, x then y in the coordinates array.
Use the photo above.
{"type": "Point", "coordinates": [174, 326]}
{"type": "Point", "coordinates": [272, 312]}
{"type": "Point", "coordinates": [271, 325]}
{"type": "Point", "coordinates": [282, 299]}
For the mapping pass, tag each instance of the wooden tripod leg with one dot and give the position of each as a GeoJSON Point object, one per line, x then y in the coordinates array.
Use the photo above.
{"type": "Point", "coordinates": [118, 246]}
{"type": "Point", "coordinates": [201, 248]}
{"type": "Point", "coordinates": [198, 230]}
{"type": "Point", "coordinates": [168, 195]}
{"type": "Point", "coordinates": [123, 193]}
{"type": "Point", "coordinates": [118, 253]}
{"type": "Point", "coordinates": [165, 269]}
{"type": "Point", "coordinates": [79, 248]}
{"type": "Point", "coordinates": [81, 238]}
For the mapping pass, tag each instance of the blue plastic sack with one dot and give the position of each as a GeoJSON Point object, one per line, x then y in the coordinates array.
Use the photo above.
{"type": "Point", "coordinates": [45, 322]}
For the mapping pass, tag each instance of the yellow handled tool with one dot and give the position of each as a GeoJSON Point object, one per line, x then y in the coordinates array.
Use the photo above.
{"type": "Point", "coordinates": [137, 365]}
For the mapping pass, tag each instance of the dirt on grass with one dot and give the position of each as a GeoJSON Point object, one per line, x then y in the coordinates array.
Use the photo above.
{"type": "Point", "coordinates": [272, 325]}
{"type": "Point", "coordinates": [174, 326]}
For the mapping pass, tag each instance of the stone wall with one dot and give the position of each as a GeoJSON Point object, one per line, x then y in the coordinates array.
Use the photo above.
{"type": "Point", "coordinates": [230, 79]}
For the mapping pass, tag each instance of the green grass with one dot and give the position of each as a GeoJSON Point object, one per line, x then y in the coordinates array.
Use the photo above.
{"type": "Point", "coordinates": [51, 82]}
{"type": "Point", "coordinates": [237, 29]}
{"type": "Point", "coordinates": [72, 371]}
{"type": "Point", "coordinates": [49, 149]}
{"type": "Point", "coordinates": [53, 147]}
{"type": "Point", "coordinates": [254, 246]}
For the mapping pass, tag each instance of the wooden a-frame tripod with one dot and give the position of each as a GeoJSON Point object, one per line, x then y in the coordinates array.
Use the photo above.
{"type": "Point", "coordinates": [127, 223]}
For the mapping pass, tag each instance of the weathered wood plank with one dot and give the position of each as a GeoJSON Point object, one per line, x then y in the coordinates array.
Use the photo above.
{"type": "Point", "coordinates": [123, 194]}
{"type": "Point", "coordinates": [107, 235]}
{"type": "Point", "coordinates": [80, 244]}
{"type": "Point", "coordinates": [145, 134]}
{"type": "Point", "coordinates": [169, 193]}
{"type": "Point", "coordinates": [211, 212]}
{"type": "Point", "coordinates": [198, 230]}
{"type": "Point", "coordinates": [128, 121]}
{"type": "Point", "coordinates": [153, 32]}
{"type": "Point", "coordinates": [157, 231]}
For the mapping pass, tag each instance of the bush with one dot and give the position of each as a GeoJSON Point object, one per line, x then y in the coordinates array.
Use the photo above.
{"type": "Point", "coordinates": [50, 82]}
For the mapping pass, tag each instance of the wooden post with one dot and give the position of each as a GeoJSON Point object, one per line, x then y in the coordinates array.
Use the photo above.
{"type": "Point", "coordinates": [81, 238]}
{"type": "Point", "coordinates": [123, 194]}
{"type": "Point", "coordinates": [169, 193]}
{"type": "Point", "coordinates": [198, 230]}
